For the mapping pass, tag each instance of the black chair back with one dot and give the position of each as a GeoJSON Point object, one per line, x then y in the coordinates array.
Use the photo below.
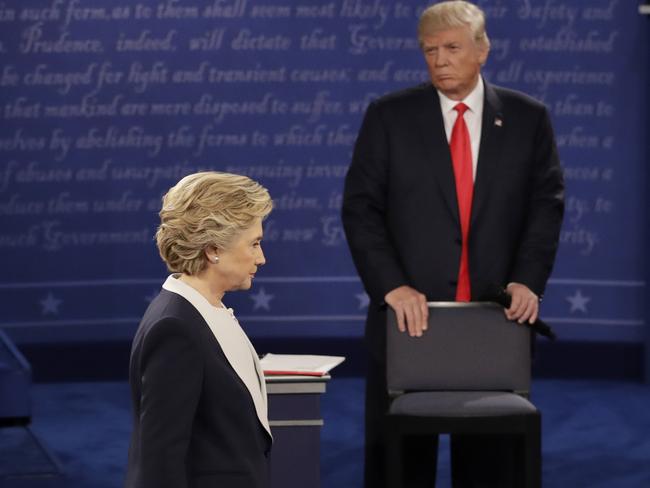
{"type": "Point", "coordinates": [467, 346]}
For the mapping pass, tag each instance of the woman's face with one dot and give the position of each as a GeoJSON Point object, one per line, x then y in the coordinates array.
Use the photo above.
{"type": "Point", "coordinates": [239, 262]}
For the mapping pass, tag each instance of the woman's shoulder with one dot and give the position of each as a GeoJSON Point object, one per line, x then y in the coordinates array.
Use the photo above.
{"type": "Point", "coordinates": [168, 331]}
{"type": "Point", "coordinates": [170, 313]}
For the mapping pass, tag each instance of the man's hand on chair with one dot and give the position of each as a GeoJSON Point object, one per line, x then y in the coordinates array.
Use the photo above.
{"type": "Point", "coordinates": [411, 309]}
{"type": "Point", "coordinates": [525, 304]}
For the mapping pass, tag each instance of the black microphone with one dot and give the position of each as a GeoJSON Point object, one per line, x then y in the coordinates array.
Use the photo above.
{"type": "Point", "coordinates": [497, 294]}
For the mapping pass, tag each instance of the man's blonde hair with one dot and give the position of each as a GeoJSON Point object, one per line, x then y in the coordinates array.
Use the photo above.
{"type": "Point", "coordinates": [454, 13]}
{"type": "Point", "coordinates": [203, 210]}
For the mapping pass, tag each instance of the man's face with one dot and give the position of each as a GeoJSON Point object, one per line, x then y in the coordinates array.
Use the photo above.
{"type": "Point", "coordinates": [454, 61]}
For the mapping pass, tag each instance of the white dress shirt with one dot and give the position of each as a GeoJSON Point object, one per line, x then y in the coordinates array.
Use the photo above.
{"type": "Point", "coordinates": [473, 117]}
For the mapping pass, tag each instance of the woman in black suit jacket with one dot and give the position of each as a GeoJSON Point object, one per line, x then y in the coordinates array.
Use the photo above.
{"type": "Point", "coordinates": [198, 392]}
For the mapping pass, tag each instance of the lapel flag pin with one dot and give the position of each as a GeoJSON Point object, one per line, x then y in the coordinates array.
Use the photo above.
{"type": "Point", "coordinates": [498, 122]}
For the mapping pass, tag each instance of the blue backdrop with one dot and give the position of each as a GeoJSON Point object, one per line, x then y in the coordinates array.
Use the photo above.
{"type": "Point", "coordinates": [105, 105]}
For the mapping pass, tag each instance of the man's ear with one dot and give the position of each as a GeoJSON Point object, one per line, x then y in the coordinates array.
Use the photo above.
{"type": "Point", "coordinates": [484, 51]}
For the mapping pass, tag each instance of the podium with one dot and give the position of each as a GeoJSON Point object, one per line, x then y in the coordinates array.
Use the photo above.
{"type": "Point", "coordinates": [296, 421]}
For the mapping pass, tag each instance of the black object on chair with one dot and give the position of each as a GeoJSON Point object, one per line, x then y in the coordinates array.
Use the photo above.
{"type": "Point", "coordinates": [468, 374]}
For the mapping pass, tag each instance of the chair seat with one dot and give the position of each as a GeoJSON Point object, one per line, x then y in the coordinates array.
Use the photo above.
{"type": "Point", "coordinates": [461, 404]}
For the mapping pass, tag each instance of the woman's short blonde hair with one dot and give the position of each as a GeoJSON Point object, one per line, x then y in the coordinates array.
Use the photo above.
{"type": "Point", "coordinates": [454, 13]}
{"type": "Point", "coordinates": [204, 210]}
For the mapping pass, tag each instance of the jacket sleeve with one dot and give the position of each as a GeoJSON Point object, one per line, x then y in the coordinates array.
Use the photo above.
{"type": "Point", "coordinates": [364, 211]}
{"type": "Point", "coordinates": [540, 238]}
{"type": "Point", "coordinates": [171, 375]}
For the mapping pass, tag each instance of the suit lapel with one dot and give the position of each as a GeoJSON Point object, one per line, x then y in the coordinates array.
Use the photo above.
{"type": "Point", "coordinates": [435, 142]}
{"type": "Point", "coordinates": [492, 131]}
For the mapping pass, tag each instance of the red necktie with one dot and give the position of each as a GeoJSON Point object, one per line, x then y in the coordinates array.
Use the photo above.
{"type": "Point", "coordinates": [461, 156]}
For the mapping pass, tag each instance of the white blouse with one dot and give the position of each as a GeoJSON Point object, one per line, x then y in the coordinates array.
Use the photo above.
{"type": "Point", "coordinates": [238, 350]}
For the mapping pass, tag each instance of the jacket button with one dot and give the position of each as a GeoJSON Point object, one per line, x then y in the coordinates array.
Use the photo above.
{"type": "Point", "coordinates": [458, 241]}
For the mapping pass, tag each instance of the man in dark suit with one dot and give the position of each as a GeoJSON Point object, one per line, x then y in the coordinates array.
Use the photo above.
{"type": "Point", "coordinates": [453, 186]}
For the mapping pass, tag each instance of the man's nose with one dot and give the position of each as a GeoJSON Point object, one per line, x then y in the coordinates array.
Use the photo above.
{"type": "Point", "coordinates": [441, 59]}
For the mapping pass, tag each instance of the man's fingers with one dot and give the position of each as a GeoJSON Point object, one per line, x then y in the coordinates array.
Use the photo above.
{"type": "Point", "coordinates": [415, 321]}
{"type": "Point", "coordinates": [528, 311]}
{"type": "Point", "coordinates": [531, 311]}
{"type": "Point", "coordinates": [425, 314]}
{"type": "Point", "coordinates": [410, 321]}
{"type": "Point", "coordinates": [514, 311]}
{"type": "Point", "coordinates": [399, 313]}
{"type": "Point", "coordinates": [535, 314]}
{"type": "Point", "coordinates": [416, 318]}
{"type": "Point", "coordinates": [420, 315]}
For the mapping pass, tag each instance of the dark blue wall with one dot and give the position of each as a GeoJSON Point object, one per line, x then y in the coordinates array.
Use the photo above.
{"type": "Point", "coordinates": [104, 105]}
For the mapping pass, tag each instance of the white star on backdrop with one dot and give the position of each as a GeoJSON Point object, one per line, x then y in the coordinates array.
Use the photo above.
{"type": "Point", "coordinates": [261, 299]}
{"type": "Point", "coordinates": [50, 305]}
{"type": "Point", "coordinates": [578, 301]}
{"type": "Point", "coordinates": [364, 299]}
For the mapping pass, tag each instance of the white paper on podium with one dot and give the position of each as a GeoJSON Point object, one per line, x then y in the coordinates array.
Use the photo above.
{"type": "Point", "coordinates": [299, 364]}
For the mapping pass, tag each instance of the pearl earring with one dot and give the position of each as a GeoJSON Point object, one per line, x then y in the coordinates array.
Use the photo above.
{"type": "Point", "coordinates": [215, 259]}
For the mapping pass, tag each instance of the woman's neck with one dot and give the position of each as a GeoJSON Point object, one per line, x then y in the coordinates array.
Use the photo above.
{"type": "Point", "coordinates": [210, 292]}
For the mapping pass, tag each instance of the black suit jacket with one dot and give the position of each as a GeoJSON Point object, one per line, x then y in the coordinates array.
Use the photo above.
{"type": "Point", "coordinates": [400, 211]}
{"type": "Point", "coordinates": [195, 423]}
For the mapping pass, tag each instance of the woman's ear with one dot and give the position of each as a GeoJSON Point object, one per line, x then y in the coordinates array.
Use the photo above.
{"type": "Point", "coordinates": [212, 255]}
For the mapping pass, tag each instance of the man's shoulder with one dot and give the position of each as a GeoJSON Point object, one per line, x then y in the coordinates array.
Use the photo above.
{"type": "Point", "coordinates": [406, 97]}
{"type": "Point", "coordinates": [514, 98]}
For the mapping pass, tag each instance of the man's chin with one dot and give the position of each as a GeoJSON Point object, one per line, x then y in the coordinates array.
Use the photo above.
{"type": "Point", "coordinates": [446, 85]}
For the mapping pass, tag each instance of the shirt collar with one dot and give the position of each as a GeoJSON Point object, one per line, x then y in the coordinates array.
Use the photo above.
{"type": "Point", "coordinates": [474, 100]}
